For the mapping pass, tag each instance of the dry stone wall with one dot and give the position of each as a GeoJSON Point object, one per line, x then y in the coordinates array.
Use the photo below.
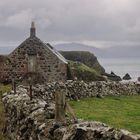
{"type": "Point", "coordinates": [79, 89]}
{"type": "Point", "coordinates": [34, 120]}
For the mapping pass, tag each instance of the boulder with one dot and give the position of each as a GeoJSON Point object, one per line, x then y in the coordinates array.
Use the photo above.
{"type": "Point", "coordinates": [139, 79]}
{"type": "Point", "coordinates": [112, 73]}
{"type": "Point", "coordinates": [113, 77]}
{"type": "Point", "coordinates": [127, 77]}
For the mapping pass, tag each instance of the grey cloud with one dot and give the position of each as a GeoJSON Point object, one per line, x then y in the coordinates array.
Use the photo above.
{"type": "Point", "coordinates": [71, 20]}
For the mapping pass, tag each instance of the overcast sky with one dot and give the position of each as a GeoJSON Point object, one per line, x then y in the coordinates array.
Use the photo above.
{"type": "Point", "coordinates": [101, 23]}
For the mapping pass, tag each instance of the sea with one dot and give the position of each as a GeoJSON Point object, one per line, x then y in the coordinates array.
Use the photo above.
{"type": "Point", "coordinates": [121, 66]}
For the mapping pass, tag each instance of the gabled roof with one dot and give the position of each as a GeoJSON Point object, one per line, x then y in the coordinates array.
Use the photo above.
{"type": "Point", "coordinates": [33, 41]}
{"type": "Point", "coordinates": [53, 50]}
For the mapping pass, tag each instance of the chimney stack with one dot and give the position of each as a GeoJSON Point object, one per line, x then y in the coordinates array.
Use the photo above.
{"type": "Point", "coordinates": [32, 30]}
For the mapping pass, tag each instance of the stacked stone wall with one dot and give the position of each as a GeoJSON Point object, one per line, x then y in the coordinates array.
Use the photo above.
{"type": "Point", "coordinates": [79, 89]}
{"type": "Point", "coordinates": [34, 120]}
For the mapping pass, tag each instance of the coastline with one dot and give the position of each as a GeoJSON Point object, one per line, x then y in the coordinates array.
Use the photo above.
{"type": "Point", "coordinates": [121, 66]}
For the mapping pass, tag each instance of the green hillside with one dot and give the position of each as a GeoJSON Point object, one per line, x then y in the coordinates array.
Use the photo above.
{"type": "Point", "coordinates": [83, 72]}
{"type": "Point", "coordinates": [84, 57]}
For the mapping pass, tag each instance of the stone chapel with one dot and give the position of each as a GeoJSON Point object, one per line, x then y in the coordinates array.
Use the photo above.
{"type": "Point", "coordinates": [33, 59]}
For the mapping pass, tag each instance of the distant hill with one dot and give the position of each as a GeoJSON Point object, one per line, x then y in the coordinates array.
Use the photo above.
{"type": "Point", "coordinates": [111, 52]}
{"type": "Point", "coordinates": [77, 47]}
{"type": "Point", "coordinates": [122, 52]}
{"type": "Point", "coordinates": [87, 58]}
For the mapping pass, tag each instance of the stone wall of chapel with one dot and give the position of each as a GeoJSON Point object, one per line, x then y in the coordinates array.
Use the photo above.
{"type": "Point", "coordinates": [49, 67]}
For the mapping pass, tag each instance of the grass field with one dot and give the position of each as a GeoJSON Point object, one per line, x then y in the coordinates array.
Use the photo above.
{"type": "Point", "coordinates": [119, 112]}
{"type": "Point", "coordinates": [3, 89]}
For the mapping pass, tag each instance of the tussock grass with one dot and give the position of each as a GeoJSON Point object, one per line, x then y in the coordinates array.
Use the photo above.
{"type": "Point", "coordinates": [3, 88]}
{"type": "Point", "coordinates": [120, 112]}
{"type": "Point", "coordinates": [83, 72]}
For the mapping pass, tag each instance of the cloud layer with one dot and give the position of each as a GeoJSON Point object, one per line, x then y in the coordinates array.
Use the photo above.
{"type": "Point", "coordinates": [71, 20]}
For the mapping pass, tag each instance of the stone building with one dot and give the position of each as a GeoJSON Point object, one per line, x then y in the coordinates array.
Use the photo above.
{"type": "Point", "coordinates": [35, 60]}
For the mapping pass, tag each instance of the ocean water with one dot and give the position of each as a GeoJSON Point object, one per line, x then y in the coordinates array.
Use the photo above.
{"type": "Point", "coordinates": [121, 66]}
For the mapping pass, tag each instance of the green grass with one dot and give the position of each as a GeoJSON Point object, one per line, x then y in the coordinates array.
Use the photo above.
{"type": "Point", "coordinates": [3, 88]}
{"type": "Point", "coordinates": [119, 112]}
{"type": "Point", "coordinates": [85, 57]}
{"type": "Point", "coordinates": [83, 72]}
{"type": "Point", "coordinates": [82, 67]}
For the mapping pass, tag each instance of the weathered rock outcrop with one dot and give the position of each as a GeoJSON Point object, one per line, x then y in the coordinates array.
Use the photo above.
{"type": "Point", "coordinates": [34, 120]}
{"type": "Point", "coordinates": [127, 77]}
{"type": "Point", "coordinates": [113, 77]}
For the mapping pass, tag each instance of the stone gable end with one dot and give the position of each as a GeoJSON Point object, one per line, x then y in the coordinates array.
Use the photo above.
{"type": "Point", "coordinates": [34, 59]}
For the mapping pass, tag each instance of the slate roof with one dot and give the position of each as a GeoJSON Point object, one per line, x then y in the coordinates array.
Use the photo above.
{"type": "Point", "coordinates": [53, 50]}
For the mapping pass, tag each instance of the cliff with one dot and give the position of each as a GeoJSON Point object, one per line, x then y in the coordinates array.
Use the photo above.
{"type": "Point", "coordinates": [84, 57]}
